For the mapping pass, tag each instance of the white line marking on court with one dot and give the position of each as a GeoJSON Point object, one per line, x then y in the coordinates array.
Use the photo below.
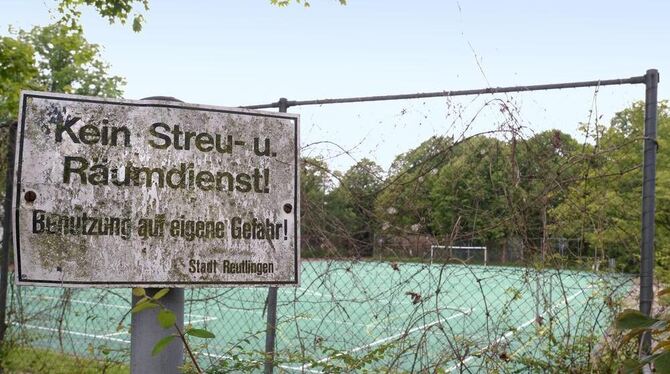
{"type": "Point", "coordinates": [335, 321]}
{"type": "Point", "coordinates": [295, 368]}
{"type": "Point", "coordinates": [220, 357]}
{"type": "Point", "coordinates": [72, 332]}
{"type": "Point", "coordinates": [188, 322]}
{"type": "Point", "coordinates": [306, 367]}
{"type": "Point", "coordinates": [305, 290]}
{"type": "Point", "coordinates": [510, 333]}
{"type": "Point", "coordinates": [523, 347]}
{"type": "Point", "coordinates": [86, 302]}
{"type": "Point", "coordinates": [116, 333]}
{"type": "Point", "coordinates": [213, 355]}
{"type": "Point", "coordinates": [105, 336]}
{"type": "Point", "coordinates": [205, 319]}
{"type": "Point", "coordinates": [394, 303]}
{"type": "Point", "coordinates": [202, 318]}
{"type": "Point", "coordinates": [123, 307]}
{"type": "Point", "coordinates": [400, 316]}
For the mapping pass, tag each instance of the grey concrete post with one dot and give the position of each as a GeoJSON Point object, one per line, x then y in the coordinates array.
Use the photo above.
{"type": "Point", "coordinates": [145, 331]}
{"type": "Point", "coordinates": [271, 330]}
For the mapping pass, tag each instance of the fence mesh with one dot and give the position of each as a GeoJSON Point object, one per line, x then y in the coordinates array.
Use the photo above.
{"type": "Point", "coordinates": [359, 315]}
{"type": "Point", "coordinates": [391, 280]}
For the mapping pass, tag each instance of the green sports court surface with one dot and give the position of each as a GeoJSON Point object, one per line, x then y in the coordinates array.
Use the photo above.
{"type": "Point", "coordinates": [454, 317]}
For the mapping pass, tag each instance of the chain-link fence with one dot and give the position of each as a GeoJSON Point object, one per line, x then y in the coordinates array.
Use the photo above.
{"type": "Point", "coordinates": [500, 250]}
{"type": "Point", "coordinates": [353, 315]}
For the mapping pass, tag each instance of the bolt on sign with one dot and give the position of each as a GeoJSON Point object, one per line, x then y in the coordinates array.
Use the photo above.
{"type": "Point", "coordinates": [154, 193]}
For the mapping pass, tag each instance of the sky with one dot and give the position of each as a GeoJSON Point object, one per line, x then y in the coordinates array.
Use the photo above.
{"type": "Point", "coordinates": [245, 52]}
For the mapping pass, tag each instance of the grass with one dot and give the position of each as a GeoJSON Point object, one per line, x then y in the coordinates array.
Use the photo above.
{"type": "Point", "coordinates": [25, 360]}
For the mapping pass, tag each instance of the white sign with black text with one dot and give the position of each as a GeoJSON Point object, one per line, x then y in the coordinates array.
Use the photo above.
{"type": "Point", "coordinates": [154, 194]}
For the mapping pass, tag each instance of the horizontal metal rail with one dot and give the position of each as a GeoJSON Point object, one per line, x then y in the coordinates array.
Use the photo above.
{"type": "Point", "coordinates": [481, 91]}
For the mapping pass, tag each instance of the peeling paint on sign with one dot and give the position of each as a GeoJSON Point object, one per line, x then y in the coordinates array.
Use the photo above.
{"type": "Point", "coordinates": [154, 193]}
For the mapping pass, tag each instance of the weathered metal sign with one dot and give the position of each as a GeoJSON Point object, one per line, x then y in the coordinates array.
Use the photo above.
{"type": "Point", "coordinates": [154, 193]}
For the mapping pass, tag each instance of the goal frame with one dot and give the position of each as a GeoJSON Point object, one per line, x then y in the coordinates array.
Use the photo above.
{"type": "Point", "coordinates": [452, 247]}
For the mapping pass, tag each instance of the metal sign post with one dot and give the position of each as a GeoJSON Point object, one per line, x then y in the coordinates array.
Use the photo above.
{"type": "Point", "coordinates": [648, 202]}
{"type": "Point", "coordinates": [145, 332]}
{"type": "Point", "coordinates": [271, 326]}
{"type": "Point", "coordinates": [6, 228]}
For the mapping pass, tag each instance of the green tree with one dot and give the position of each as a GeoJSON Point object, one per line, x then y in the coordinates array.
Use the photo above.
{"type": "Point", "coordinates": [548, 163]}
{"type": "Point", "coordinates": [112, 10]}
{"type": "Point", "coordinates": [352, 203]}
{"type": "Point", "coordinates": [123, 11]}
{"type": "Point", "coordinates": [468, 195]}
{"type": "Point", "coordinates": [68, 63]}
{"type": "Point", "coordinates": [58, 58]}
{"type": "Point", "coordinates": [53, 58]}
{"type": "Point", "coordinates": [404, 201]}
{"type": "Point", "coordinates": [315, 182]}
{"type": "Point", "coordinates": [18, 71]}
{"type": "Point", "coordinates": [604, 205]}
{"type": "Point", "coordinates": [482, 189]}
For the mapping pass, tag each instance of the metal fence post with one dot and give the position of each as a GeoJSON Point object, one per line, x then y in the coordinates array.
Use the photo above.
{"type": "Point", "coordinates": [648, 202]}
{"type": "Point", "coordinates": [271, 330]}
{"type": "Point", "coordinates": [271, 326]}
{"type": "Point", "coordinates": [6, 224]}
{"type": "Point", "coordinates": [145, 331]}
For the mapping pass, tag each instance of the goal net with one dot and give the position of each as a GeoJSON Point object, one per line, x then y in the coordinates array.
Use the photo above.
{"type": "Point", "coordinates": [458, 253]}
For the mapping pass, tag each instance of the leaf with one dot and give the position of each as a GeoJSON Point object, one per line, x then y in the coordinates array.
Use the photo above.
{"type": "Point", "coordinates": [664, 296]}
{"type": "Point", "coordinates": [160, 294]}
{"type": "Point", "coordinates": [662, 362]}
{"type": "Point", "coordinates": [137, 23]}
{"type": "Point", "coordinates": [139, 292]}
{"type": "Point", "coordinates": [634, 333]}
{"type": "Point", "coordinates": [633, 319]}
{"type": "Point", "coordinates": [166, 318]}
{"type": "Point", "coordinates": [143, 305]}
{"type": "Point", "coordinates": [200, 333]}
{"type": "Point", "coordinates": [158, 348]}
{"type": "Point", "coordinates": [142, 300]}
{"type": "Point", "coordinates": [630, 366]}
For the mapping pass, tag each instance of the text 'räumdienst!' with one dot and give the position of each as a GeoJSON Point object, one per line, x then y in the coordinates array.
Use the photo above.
{"type": "Point", "coordinates": [100, 171]}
